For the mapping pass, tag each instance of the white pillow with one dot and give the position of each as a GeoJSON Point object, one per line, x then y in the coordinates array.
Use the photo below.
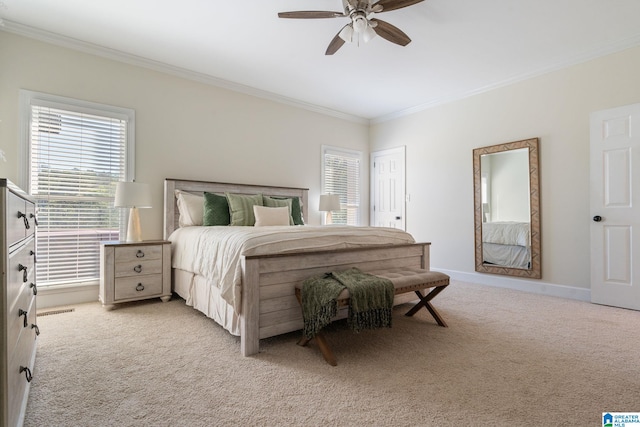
{"type": "Point", "coordinates": [266, 216]}
{"type": "Point", "coordinates": [191, 209]}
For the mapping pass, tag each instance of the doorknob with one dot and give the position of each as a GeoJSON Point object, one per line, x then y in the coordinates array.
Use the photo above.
{"type": "Point", "coordinates": [597, 218]}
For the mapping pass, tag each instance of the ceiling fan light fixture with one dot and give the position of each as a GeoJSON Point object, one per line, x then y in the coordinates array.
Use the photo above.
{"type": "Point", "coordinates": [346, 33]}
{"type": "Point", "coordinates": [368, 33]}
{"type": "Point", "coordinates": [360, 24]}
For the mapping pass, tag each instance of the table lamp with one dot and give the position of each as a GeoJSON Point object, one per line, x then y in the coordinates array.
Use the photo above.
{"type": "Point", "coordinates": [328, 203]}
{"type": "Point", "coordinates": [133, 195]}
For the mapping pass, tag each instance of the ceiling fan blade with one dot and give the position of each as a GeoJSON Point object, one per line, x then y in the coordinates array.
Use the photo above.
{"type": "Point", "coordinates": [390, 32]}
{"type": "Point", "coordinates": [310, 14]}
{"type": "Point", "coordinates": [336, 43]}
{"type": "Point", "coordinates": [388, 5]}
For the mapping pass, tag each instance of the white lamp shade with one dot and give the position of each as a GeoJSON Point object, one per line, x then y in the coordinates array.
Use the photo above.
{"type": "Point", "coordinates": [329, 202]}
{"type": "Point", "coordinates": [360, 24]}
{"type": "Point", "coordinates": [346, 33]}
{"type": "Point", "coordinates": [368, 34]}
{"type": "Point", "coordinates": [132, 194]}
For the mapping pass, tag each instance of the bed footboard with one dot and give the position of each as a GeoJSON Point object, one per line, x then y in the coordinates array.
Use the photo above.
{"type": "Point", "coordinates": [269, 305]}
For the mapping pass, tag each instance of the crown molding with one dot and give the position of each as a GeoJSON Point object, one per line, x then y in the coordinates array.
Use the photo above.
{"type": "Point", "coordinates": [565, 63]}
{"type": "Point", "coordinates": [116, 55]}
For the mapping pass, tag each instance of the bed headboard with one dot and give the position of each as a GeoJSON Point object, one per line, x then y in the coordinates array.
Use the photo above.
{"type": "Point", "coordinates": [171, 214]}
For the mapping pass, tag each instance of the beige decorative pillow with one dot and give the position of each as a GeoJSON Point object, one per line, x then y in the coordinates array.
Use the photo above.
{"type": "Point", "coordinates": [266, 216]}
{"type": "Point", "coordinates": [190, 207]}
{"type": "Point", "coordinates": [277, 203]}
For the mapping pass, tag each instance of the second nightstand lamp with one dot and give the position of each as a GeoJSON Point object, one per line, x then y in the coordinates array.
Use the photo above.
{"type": "Point", "coordinates": [328, 203]}
{"type": "Point", "coordinates": [133, 195]}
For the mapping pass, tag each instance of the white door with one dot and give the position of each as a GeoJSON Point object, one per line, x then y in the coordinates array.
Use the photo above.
{"type": "Point", "coordinates": [615, 206]}
{"type": "Point", "coordinates": [387, 187]}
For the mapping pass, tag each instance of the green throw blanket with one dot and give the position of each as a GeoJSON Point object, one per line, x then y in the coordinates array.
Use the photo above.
{"type": "Point", "coordinates": [370, 306]}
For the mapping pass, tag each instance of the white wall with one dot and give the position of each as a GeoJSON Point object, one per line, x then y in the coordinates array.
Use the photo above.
{"type": "Point", "coordinates": [184, 129]}
{"type": "Point", "coordinates": [554, 107]}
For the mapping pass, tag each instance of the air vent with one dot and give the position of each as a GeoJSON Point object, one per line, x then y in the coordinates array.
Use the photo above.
{"type": "Point", "coordinates": [52, 312]}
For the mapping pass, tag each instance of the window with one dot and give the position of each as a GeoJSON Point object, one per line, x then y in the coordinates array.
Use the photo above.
{"type": "Point", "coordinates": [341, 176]}
{"type": "Point", "coordinates": [76, 151]}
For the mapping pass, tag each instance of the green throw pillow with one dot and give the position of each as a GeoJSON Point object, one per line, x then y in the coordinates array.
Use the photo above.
{"type": "Point", "coordinates": [278, 203]}
{"type": "Point", "coordinates": [216, 210]}
{"type": "Point", "coordinates": [241, 208]}
{"type": "Point", "coordinates": [296, 209]}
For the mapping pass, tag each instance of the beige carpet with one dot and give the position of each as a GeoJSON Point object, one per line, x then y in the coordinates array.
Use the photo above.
{"type": "Point", "coordinates": [507, 358]}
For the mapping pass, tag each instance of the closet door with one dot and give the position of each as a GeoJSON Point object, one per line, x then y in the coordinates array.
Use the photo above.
{"type": "Point", "coordinates": [615, 206]}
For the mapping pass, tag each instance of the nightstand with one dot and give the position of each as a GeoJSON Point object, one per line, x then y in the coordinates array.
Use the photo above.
{"type": "Point", "coordinates": [131, 271]}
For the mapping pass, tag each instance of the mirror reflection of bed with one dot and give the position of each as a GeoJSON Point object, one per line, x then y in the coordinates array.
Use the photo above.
{"type": "Point", "coordinates": [506, 193]}
{"type": "Point", "coordinates": [507, 244]}
{"type": "Point", "coordinates": [506, 228]}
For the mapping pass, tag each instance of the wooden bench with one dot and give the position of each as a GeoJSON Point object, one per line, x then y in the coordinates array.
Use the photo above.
{"type": "Point", "coordinates": [404, 280]}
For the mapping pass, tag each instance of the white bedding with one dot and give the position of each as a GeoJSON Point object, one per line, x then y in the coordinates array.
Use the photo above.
{"type": "Point", "coordinates": [506, 233]}
{"type": "Point", "coordinates": [513, 256]}
{"type": "Point", "coordinates": [215, 252]}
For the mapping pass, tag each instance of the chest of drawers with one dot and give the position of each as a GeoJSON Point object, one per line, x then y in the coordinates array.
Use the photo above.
{"type": "Point", "coordinates": [134, 271]}
{"type": "Point", "coordinates": [17, 302]}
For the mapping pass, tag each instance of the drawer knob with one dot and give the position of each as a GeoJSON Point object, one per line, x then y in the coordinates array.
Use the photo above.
{"type": "Point", "coordinates": [21, 312]}
{"type": "Point", "coordinates": [23, 268]}
{"type": "Point", "coordinates": [140, 287]}
{"type": "Point", "coordinates": [27, 373]}
{"type": "Point", "coordinates": [139, 254]}
{"type": "Point", "coordinates": [35, 288]}
{"type": "Point", "coordinates": [35, 218]}
{"type": "Point", "coordinates": [137, 268]}
{"type": "Point", "coordinates": [24, 218]}
{"type": "Point", "coordinates": [34, 326]}
{"type": "Point", "coordinates": [32, 253]}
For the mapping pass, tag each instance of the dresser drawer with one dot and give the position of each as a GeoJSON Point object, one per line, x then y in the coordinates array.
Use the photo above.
{"type": "Point", "coordinates": [23, 356]}
{"type": "Point", "coordinates": [138, 287]}
{"type": "Point", "coordinates": [19, 260]}
{"type": "Point", "coordinates": [138, 268]}
{"type": "Point", "coordinates": [31, 217]}
{"type": "Point", "coordinates": [16, 317]}
{"type": "Point", "coordinates": [137, 253]}
{"type": "Point", "coordinates": [16, 214]}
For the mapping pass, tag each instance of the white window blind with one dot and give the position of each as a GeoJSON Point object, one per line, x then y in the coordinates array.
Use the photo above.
{"type": "Point", "coordinates": [341, 176]}
{"type": "Point", "coordinates": [76, 157]}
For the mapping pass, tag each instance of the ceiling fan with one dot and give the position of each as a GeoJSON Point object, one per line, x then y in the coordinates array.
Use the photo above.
{"type": "Point", "coordinates": [362, 23]}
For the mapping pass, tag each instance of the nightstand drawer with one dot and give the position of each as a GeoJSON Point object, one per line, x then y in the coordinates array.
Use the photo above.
{"type": "Point", "coordinates": [137, 253]}
{"type": "Point", "coordinates": [138, 287]}
{"type": "Point", "coordinates": [138, 268]}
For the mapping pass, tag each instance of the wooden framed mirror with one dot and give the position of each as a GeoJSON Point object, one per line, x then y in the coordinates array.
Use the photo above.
{"type": "Point", "coordinates": [507, 209]}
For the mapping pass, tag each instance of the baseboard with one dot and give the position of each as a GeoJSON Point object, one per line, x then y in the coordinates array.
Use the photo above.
{"type": "Point", "coordinates": [526, 285]}
{"type": "Point", "coordinates": [59, 296]}
{"type": "Point", "coordinates": [56, 296]}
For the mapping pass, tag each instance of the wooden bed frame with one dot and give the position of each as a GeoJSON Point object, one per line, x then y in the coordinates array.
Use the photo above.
{"type": "Point", "coordinates": [269, 305]}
